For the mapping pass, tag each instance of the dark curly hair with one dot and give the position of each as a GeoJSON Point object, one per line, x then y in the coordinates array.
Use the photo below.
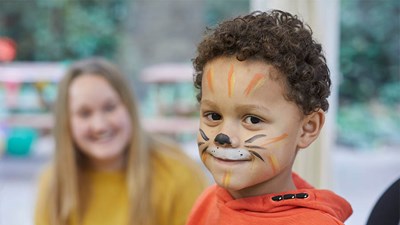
{"type": "Point", "coordinates": [277, 38]}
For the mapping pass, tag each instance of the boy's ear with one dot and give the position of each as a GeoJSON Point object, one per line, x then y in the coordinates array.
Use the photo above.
{"type": "Point", "coordinates": [312, 125]}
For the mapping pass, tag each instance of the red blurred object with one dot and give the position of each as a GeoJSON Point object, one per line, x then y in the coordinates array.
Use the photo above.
{"type": "Point", "coordinates": [7, 49]}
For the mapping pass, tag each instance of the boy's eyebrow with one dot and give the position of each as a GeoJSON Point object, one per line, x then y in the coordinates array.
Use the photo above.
{"type": "Point", "coordinates": [241, 108]}
{"type": "Point", "coordinates": [247, 107]}
{"type": "Point", "coordinates": [209, 103]}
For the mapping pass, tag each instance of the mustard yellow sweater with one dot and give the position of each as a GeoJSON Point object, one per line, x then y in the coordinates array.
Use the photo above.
{"type": "Point", "coordinates": [176, 184]}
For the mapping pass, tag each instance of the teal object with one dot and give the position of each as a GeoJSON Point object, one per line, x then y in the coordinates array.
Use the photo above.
{"type": "Point", "coordinates": [20, 140]}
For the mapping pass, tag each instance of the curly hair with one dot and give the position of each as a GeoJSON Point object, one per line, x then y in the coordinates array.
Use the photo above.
{"type": "Point", "coordinates": [277, 38]}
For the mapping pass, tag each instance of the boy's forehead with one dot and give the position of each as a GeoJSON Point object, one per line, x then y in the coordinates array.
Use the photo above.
{"type": "Point", "coordinates": [236, 73]}
{"type": "Point", "coordinates": [228, 77]}
{"type": "Point", "coordinates": [224, 63]}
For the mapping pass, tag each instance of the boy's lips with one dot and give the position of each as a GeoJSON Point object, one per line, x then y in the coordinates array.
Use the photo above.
{"type": "Point", "coordinates": [230, 154]}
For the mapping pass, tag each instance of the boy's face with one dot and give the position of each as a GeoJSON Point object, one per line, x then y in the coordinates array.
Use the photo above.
{"type": "Point", "coordinates": [249, 132]}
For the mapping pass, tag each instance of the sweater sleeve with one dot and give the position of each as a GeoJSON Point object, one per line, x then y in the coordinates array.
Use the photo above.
{"type": "Point", "coordinates": [177, 190]}
{"type": "Point", "coordinates": [188, 188]}
{"type": "Point", "coordinates": [41, 209]}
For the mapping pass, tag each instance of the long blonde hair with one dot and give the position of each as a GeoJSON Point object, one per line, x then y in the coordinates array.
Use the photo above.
{"type": "Point", "coordinates": [66, 196]}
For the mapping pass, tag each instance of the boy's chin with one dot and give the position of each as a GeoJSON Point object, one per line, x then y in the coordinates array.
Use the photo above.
{"type": "Point", "coordinates": [244, 186]}
{"type": "Point", "coordinates": [231, 186]}
{"type": "Point", "coordinates": [234, 182]}
{"type": "Point", "coordinates": [235, 190]}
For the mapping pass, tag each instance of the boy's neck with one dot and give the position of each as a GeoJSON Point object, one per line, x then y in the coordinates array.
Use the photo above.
{"type": "Point", "coordinates": [282, 182]}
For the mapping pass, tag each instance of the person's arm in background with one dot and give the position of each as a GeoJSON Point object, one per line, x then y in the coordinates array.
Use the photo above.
{"type": "Point", "coordinates": [177, 185]}
{"type": "Point", "coordinates": [187, 189]}
{"type": "Point", "coordinates": [41, 216]}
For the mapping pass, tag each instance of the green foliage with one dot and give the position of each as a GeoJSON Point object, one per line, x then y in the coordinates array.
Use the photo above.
{"type": "Point", "coordinates": [219, 10]}
{"type": "Point", "coordinates": [389, 94]}
{"type": "Point", "coordinates": [62, 30]}
{"type": "Point", "coordinates": [368, 126]}
{"type": "Point", "coordinates": [369, 93]}
{"type": "Point", "coordinates": [370, 46]}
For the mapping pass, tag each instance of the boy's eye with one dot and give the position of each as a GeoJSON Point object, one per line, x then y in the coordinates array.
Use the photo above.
{"type": "Point", "coordinates": [252, 120]}
{"type": "Point", "coordinates": [213, 116]}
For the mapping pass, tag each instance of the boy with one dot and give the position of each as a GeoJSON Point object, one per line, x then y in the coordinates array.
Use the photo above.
{"type": "Point", "coordinates": [263, 85]}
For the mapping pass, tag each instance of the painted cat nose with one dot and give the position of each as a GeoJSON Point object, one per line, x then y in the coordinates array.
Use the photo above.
{"type": "Point", "coordinates": [222, 139]}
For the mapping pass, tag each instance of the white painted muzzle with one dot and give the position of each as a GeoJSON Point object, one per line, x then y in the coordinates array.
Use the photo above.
{"type": "Point", "coordinates": [230, 153]}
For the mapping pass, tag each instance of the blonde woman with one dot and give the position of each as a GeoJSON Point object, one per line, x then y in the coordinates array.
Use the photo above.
{"type": "Point", "coordinates": [106, 169]}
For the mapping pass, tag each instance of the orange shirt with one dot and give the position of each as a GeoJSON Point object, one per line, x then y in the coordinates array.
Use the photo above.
{"type": "Point", "coordinates": [305, 206]}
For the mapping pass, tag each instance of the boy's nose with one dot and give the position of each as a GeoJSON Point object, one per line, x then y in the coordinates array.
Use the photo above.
{"type": "Point", "coordinates": [222, 139]}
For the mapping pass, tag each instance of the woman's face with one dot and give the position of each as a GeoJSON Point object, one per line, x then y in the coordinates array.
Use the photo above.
{"type": "Point", "coordinates": [100, 122]}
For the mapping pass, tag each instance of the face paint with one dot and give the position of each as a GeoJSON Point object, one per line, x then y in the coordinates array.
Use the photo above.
{"type": "Point", "coordinates": [276, 139]}
{"type": "Point", "coordinates": [263, 146]}
{"type": "Point", "coordinates": [232, 154]}
{"type": "Point", "coordinates": [222, 139]}
{"type": "Point", "coordinates": [203, 135]}
{"type": "Point", "coordinates": [227, 178]}
{"type": "Point", "coordinates": [202, 142]}
{"type": "Point", "coordinates": [257, 155]}
{"type": "Point", "coordinates": [274, 163]}
{"type": "Point", "coordinates": [257, 81]}
{"type": "Point", "coordinates": [250, 140]}
{"type": "Point", "coordinates": [242, 153]}
{"type": "Point", "coordinates": [210, 79]}
{"type": "Point", "coordinates": [231, 81]}
{"type": "Point", "coordinates": [204, 155]}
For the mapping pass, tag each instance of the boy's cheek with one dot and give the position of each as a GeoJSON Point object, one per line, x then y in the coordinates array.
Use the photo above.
{"type": "Point", "coordinates": [205, 138]}
{"type": "Point", "coordinates": [206, 134]}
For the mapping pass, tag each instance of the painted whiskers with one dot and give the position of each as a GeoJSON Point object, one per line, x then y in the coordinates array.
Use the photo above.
{"type": "Point", "coordinates": [253, 148]}
{"type": "Point", "coordinates": [238, 153]}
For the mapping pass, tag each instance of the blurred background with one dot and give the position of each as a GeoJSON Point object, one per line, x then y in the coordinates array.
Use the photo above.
{"type": "Point", "coordinates": [154, 41]}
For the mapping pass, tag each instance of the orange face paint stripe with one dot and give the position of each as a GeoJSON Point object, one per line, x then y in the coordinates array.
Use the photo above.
{"type": "Point", "coordinates": [204, 157]}
{"type": "Point", "coordinates": [275, 139]}
{"type": "Point", "coordinates": [231, 81]}
{"type": "Point", "coordinates": [210, 78]}
{"type": "Point", "coordinates": [274, 163]}
{"type": "Point", "coordinates": [255, 83]}
{"type": "Point", "coordinates": [204, 154]}
{"type": "Point", "coordinates": [227, 178]}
